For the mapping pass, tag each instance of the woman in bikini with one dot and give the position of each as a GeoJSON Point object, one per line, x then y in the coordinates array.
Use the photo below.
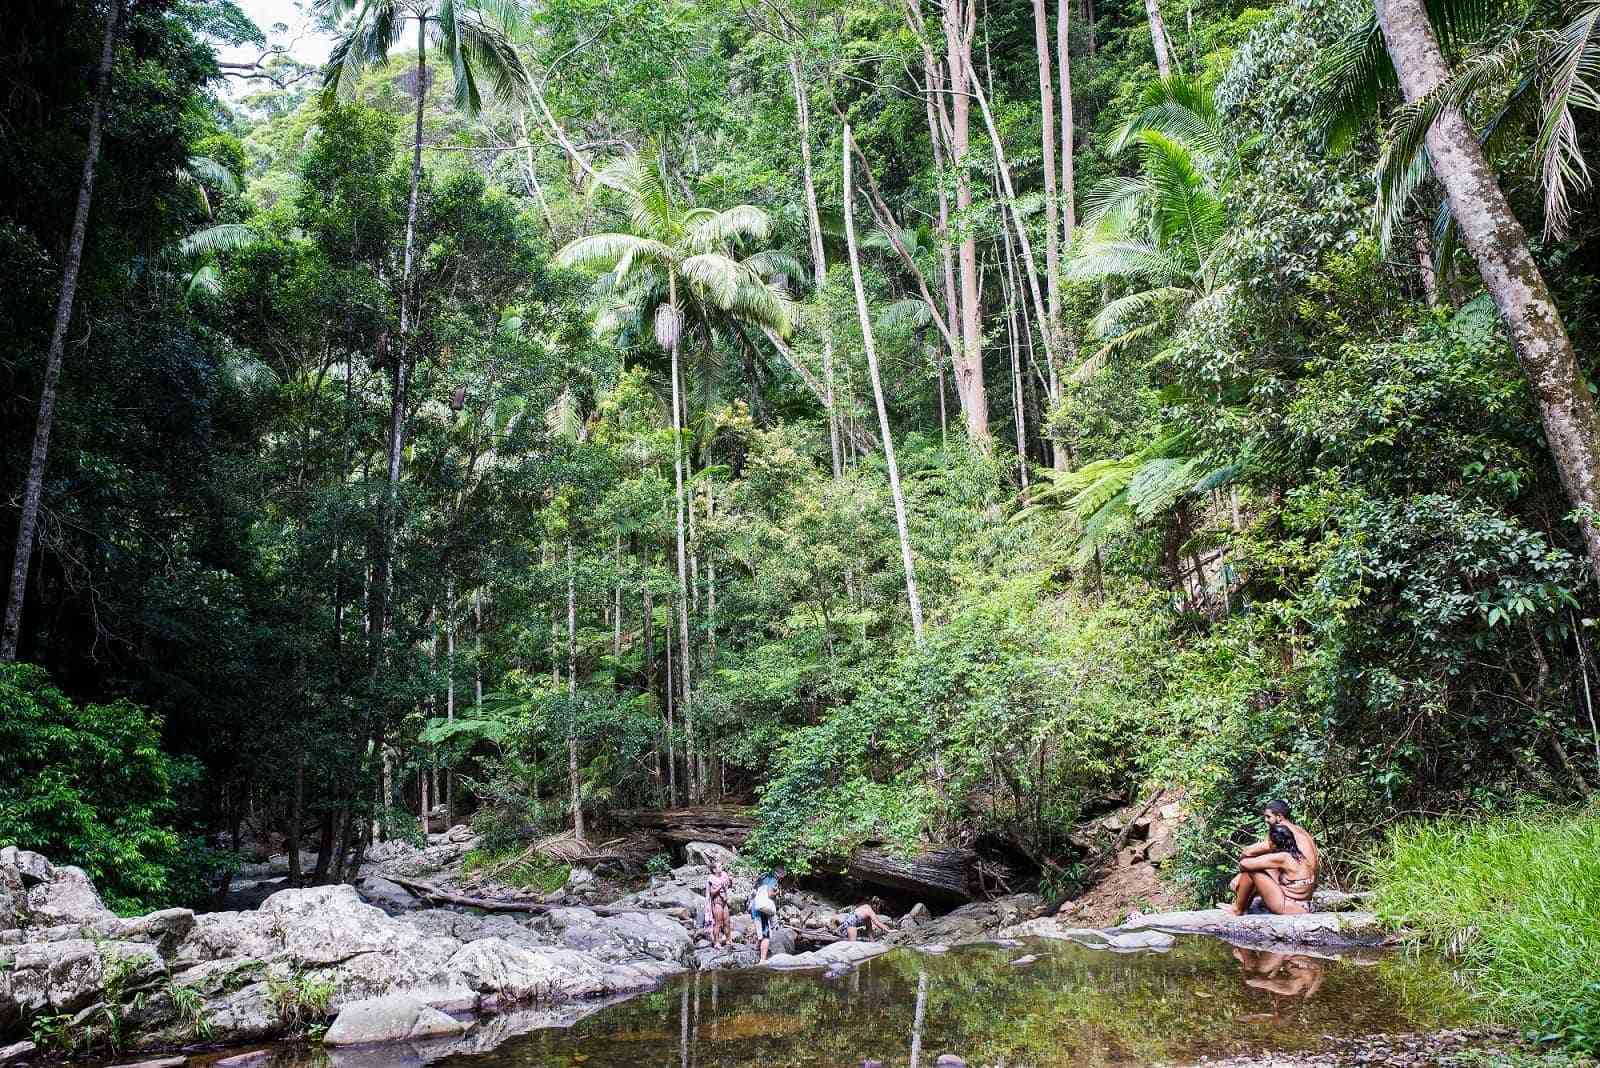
{"type": "Point", "coordinates": [718, 885]}
{"type": "Point", "coordinates": [1284, 879]}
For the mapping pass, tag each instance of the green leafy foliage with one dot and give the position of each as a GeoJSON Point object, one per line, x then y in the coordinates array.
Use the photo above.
{"type": "Point", "coordinates": [88, 784]}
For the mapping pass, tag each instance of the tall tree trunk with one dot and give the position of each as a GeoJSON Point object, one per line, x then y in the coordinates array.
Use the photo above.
{"type": "Point", "coordinates": [960, 21]}
{"type": "Point", "coordinates": [1424, 252]}
{"type": "Point", "coordinates": [477, 648]}
{"type": "Point", "coordinates": [1159, 38]}
{"type": "Point", "coordinates": [1069, 204]}
{"type": "Point", "coordinates": [616, 607]}
{"type": "Point", "coordinates": [33, 488]}
{"type": "Point", "coordinates": [1013, 284]}
{"type": "Point", "coordinates": [1019, 225]}
{"type": "Point", "coordinates": [877, 393]}
{"type": "Point", "coordinates": [296, 816]}
{"type": "Point", "coordinates": [685, 705]}
{"type": "Point", "coordinates": [1047, 147]}
{"type": "Point", "coordinates": [1498, 243]}
{"type": "Point", "coordinates": [449, 694]}
{"type": "Point", "coordinates": [711, 588]}
{"type": "Point", "coordinates": [819, 263]}
{"type": "Point", "coordinates": [383, 559]}
{"type": "Point", "coordinates": [572, 695]}
{"type": "Point", "coordinates": [672, 730]}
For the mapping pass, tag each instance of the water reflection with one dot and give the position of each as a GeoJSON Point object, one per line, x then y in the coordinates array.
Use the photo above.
{"type": "Point", "coordinates": [1284, 974]}
{"type": "Point", "coordinates": [1072, 1007]}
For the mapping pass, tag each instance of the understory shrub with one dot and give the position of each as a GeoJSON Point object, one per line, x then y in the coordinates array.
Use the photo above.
{"type": "Point", "coordinates": [1517, 900]}
{"type": "Point", "coordinates": [88, 784]}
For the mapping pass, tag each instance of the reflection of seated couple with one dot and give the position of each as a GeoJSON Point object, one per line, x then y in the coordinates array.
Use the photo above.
{"type": "Point", "coordinates": [1281, 871]}
{"type": "Point", "coordinates": [1280, 973]}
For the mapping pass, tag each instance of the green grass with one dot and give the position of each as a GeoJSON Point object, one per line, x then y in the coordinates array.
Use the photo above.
{"type": "Point", "coordinates": [1516, 900]}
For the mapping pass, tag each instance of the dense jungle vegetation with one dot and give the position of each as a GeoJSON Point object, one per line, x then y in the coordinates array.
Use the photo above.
{"type": "Point", "coordinates": [927, 422]}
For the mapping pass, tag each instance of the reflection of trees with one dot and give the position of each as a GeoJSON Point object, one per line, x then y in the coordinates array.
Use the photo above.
{"type": "Point", "coordinates": [1073, 1007]}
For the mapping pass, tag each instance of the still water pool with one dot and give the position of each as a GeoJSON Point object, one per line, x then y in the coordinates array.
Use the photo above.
{"type": "Point", "coordinates": [1071, 1006]}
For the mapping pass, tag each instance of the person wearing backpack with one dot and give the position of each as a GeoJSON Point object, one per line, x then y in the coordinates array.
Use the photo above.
{"type": "Point", "coordinates": [764, 909]}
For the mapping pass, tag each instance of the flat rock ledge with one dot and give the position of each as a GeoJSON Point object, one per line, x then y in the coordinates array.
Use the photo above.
{"type": "Point", "coordinates": [1323, 930]}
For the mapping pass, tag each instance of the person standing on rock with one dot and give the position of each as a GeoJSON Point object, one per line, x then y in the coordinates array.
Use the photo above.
{"type": "Point", "coordinates": [763, 909]}
{"type": "Point", "coordinates": [718, 885]}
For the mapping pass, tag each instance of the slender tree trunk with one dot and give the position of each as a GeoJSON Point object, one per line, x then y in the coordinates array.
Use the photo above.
{"type": "Point", "coordinates": [683, 575]}
{"type": "Point", "coordinates": [616, 607]}
{"type": "Point", "coordinates": [1424, 251]}
{"type": "Point", "coordinates": [33, 488]}
{"type": "Point", "coordinates": [572, 695]}
{"type": "Point", "coordinates": [1020, 425]}
{"type": "Point", "coordinates": [711, 588]}
{"type": "Point", "coordinates": [383, 560]}
{"type": "Point", "coordinates": [877, 393]}
{"type": "Point", "coordinates": [1499, 244]}
{"type": "Point", "coordinates": [477, 648]}
{"type": "Point", "coordinates": [449, 694]}
{"type": "Point", "coordinates": [1069, 206]}
{"type": "Point", "coordinates": [1159, 38]}
{"type": "Point", "coordinates": [1019, 225]}
{"type": "Point", "coordinates": [672, 729]}
{"type": "Point", "coordinates": [819, 264]}
{"type": "Point", "coordinates": [1047, 146]}
{"type": "Point", "coordinates": [296, 815]}
{"type": "Point", "coordinates": [960, 20]}
{"type": "Point", "coordinates": [530, 170]}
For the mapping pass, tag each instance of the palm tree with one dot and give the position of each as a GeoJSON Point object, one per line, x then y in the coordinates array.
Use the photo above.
{"type": "Point", "coordinates": [472, 34]}
{"type": "Point", "coordinates": [1172, 265]}
{"type": "Point", "coordinates": [33, 487]}
{"type": "Point", "coordinates": [1408, 49]}
{"type": "Point", "coordinates": [678, 270]}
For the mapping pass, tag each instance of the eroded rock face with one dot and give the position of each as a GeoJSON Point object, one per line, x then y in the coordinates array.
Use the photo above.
{"type": "Point", "coordinates": [66, 897]}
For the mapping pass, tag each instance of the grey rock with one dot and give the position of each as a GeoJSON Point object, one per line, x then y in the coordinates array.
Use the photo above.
{"type": "Point", "coordinates": [68, 897]}
{"type": "Point", "coordinates": [918, 916]}
{"type": "Point", "coordinates": [494, 967]}
{"type": "Point", "coordinates": [949, 1060]}
{"type": "Point", "coordinates": [67, 976]}
{"type": "Point", "coordinates": [706, 852]}
{"type": "Point", "coordinates": [165, 929]}
{"type": "Point", "coordinates": [782, 941]}
{"type": "Point", "coordinates": [32, 867]}
{"type": "Point", "coordinates": [218, 935]}
{"type": "Point", "coordinates": [579, 877]}
{"type": "Point", "coordinates": [1332, 929]}
{"type": "Point", "coordinates": [13, 899]}
{"type": "Point", "coordinates": [244, 1015]}
{"type": "Point", "coordinates": [388, 1019]}
{"type": "Point", "coordinates": [737, 955]}
{"type": "Point", "coordinates": [159, 1062]}
{"type": "Point", "coordinates": [845, 954]}
{"type": "Point", "coordinates": [389, 896]}
{"type": "Point", "coordinates": [246, 1060]}
{"type": "Point", "coordinates": [1024, 961]}
{"type": "Point", "coordinates": [1120, 940]}
{"type": "Point", "coordinates": [17, 1051]}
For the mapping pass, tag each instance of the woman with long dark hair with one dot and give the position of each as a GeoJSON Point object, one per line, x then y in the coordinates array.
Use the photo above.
{"type": "Point", "coordinates": [1284, 879]}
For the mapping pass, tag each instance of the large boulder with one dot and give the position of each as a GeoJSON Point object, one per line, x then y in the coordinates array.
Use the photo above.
{"type": "Point", "coordinates": [67, 976]}
{"type": "Point", "coordinates": [629, 937]}
{"type": "Point", "coordinates": [834, 956]}
{"type": "Point", "coordinates": [497, 969]}
{"type": "Point", "coordinates": [706, 852]}
{"type": "Point", "coordinates": [13, 898]}
{"type": "Point", "coordinates": [388, 1019]}
{"type": "Point", "coordinates": [66, 897]}
{"type": "Point", "coordinates": [469, 927]}
{"type": "Point", "coordinates": [1328, 929]}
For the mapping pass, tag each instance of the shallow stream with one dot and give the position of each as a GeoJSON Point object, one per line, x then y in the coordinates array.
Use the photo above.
{"type": "Point", "coordinates": [1071, 1006]}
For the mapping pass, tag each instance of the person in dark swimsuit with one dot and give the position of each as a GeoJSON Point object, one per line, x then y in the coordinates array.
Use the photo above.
{"type": "Point", "coordinates": [1284, 879]}
{"type": "Point", "coordinates": [862, 918]}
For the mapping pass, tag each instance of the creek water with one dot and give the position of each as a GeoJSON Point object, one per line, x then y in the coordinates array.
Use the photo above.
{"type": "Point", "coordinates": [1071, 1006]}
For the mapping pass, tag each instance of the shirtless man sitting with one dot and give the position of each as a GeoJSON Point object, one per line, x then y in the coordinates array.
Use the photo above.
{"type": "Point", "coordinates": [1283, 873]}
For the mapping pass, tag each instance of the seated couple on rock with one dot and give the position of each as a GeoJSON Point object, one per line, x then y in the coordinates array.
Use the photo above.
{"type": "Point", "coordinates": [1281, 871]}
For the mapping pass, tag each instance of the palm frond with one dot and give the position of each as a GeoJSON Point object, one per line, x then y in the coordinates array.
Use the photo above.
{"type": "Point", "coordinates": [609, 250]}
{"type": "Point", "coordinates": [714, 277]}
{"type": "Point", "coordinates": [909, 313]}
{"type": "Point", "coordinates": [1572, 71]}
{"type": "Point", "coordinates": [224, 237]}
{"type": "Point", "coordinates": [1121, 259]}
{"type": "Point", "coordinates": [1113, 318]}
{"type": "Point", "coordinates": [1111, 202]}
{"type": "Point", "coordinates": [1180, 108]}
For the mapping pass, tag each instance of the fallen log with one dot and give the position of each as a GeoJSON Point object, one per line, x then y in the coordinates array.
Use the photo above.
{"type": "Point", "coordinates": [724, 825]}
{"type": "Point", "coordinates": [941, 874]}
{"type": "Point", "coordinates": [436, 896]}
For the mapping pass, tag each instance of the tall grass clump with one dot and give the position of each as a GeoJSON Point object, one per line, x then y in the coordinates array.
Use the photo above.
{"type": "Point", "coordinates": [1516, 900]}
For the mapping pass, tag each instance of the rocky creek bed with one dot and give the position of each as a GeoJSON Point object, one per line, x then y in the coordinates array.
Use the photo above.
{"type": "Point", "coordinates": [379, 974]}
